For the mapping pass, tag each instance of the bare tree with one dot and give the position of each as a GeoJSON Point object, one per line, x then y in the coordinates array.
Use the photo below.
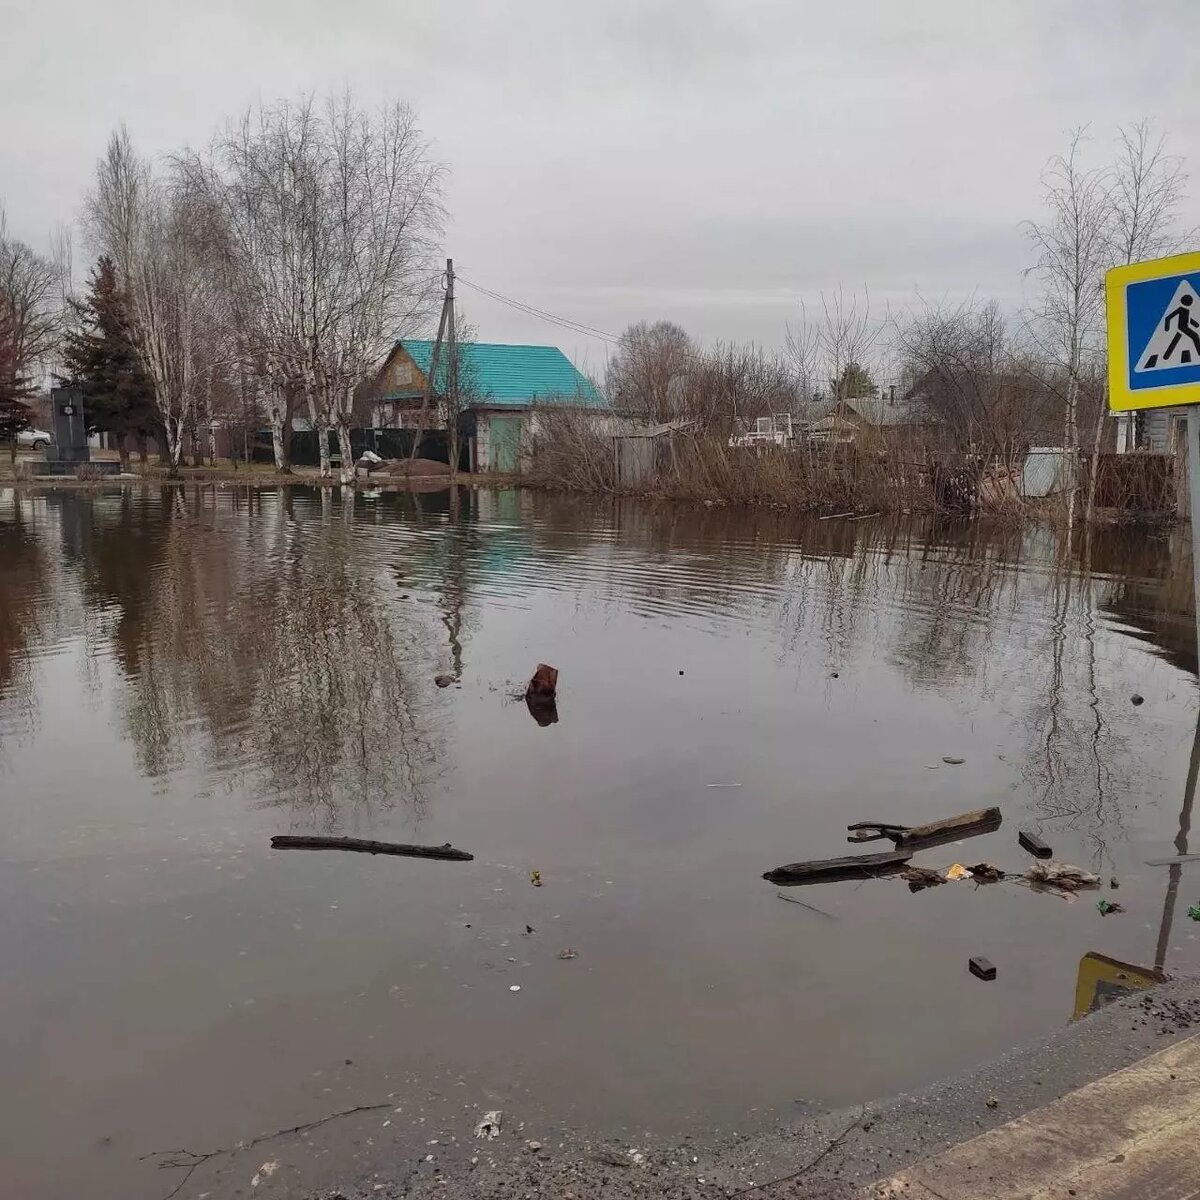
{"type": "Point", "coordinates": [31, 292]}
{"type": "Point", "coordinates": [385, 210]}
{"type": "Point", "coordinates": [804, 349]}
{"type": "Point", "coordinates": [260, 180]}
{"type": "Point", "coordinates": [330, 220]}
{"type": "Point", "coordinates": [1072, 246]}
{"type": "Point", "coordinates": [154, 232]}
{"type": "Point", "coordinates": [968, 378]}
{"type": "Point", "coordinates": [1146, 188]}
{"type": "Point", "coordinates": [646, 373]}
{"type": "Point", "coordinates": [731, 384]}
{"type": "Point", "coordinates": [846, 338]}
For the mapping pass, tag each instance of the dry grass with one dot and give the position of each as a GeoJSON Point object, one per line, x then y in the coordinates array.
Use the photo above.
{"type": "Point", "coordinates": [571, 453]}
{"type": "Point", "coordinates": [905, 473]}
{"type": "Point", "coordinates": [1137, 486]}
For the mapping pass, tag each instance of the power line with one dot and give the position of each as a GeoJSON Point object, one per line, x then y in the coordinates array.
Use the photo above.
{"type": "Point", "coordinates": [565, 322]}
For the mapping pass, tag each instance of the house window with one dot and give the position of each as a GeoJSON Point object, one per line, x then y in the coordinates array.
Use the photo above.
{"type": "Point", "coordinates": [763, 425]}
{"type": "Point", "coordinates": [410, 418]}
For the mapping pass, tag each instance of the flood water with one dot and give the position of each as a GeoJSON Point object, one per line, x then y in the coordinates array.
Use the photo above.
{"type": "Point", "coordinates": [186, 672]}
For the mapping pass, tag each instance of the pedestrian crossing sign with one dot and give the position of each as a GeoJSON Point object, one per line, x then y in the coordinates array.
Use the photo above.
{"type": "Point", "coordinates": [1154, 333]}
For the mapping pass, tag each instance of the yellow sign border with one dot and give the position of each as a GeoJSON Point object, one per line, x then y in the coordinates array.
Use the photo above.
{"type": "Point", "coordinates": [1121, 398]}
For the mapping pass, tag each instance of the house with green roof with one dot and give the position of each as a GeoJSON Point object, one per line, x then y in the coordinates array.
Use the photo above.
{"type": "Point", "coordinates": [502, 386]}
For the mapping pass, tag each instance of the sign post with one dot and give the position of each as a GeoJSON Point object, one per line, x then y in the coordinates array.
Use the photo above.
{"type": "Point", "coordinates": [1154, 358]}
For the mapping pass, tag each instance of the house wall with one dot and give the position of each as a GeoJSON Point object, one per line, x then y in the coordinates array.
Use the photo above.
{"type": "Point", "coordinates": [531, 421]}
{"type": "Point", "coordinates": [483, 442]}
{"type": "Point", "coordinates": [1154, 429]}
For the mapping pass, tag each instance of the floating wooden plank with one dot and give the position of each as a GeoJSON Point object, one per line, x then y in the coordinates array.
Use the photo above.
{"type": "Point", "coordinates": [1178, 860]}
{"type": "Point", "coordinates": [1034, 844]}
{"type": "Point", "coordinates": [938, 833]}
{"type": "Point", "coordinates": [287, 841]}
{"type": "Point", "coordinates": [830, 870]}
{"type": "Point", "coordinates": [982, 968]}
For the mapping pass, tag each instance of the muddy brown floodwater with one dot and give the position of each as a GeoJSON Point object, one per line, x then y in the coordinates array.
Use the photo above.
{"type": "Point", "coordinates": [185, 672]}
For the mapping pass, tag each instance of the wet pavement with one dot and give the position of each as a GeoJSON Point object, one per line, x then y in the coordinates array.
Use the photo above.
{"type": "Point", "coordinates": [185, 672]}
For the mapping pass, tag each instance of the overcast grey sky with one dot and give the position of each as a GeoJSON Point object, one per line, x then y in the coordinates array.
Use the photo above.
{"type": "Point", "coordinates": [710, 161]}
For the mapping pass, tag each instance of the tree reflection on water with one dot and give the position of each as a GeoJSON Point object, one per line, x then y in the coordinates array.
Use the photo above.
{"type": "Point", "coordinates": [264, 641]}
{"type": "Point", "coordinates": [269, 631]}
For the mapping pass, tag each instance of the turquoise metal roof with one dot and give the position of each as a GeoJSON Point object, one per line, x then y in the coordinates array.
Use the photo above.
{"type": "Point", "coordinates": [514, 376]}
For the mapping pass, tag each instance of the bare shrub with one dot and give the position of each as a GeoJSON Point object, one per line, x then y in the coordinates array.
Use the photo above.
{"type": "Point", "coordinates": [574, 452]}
{"type": "Point", "coordinates": [570, 450]}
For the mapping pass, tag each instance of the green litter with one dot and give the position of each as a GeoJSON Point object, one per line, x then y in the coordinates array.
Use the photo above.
{"type": "Point", "coordinates": [1194, 912]}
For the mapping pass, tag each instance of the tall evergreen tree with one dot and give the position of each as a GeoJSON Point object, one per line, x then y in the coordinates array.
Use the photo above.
{"type": "Point", "coordinates": [102, 362]}
{"type": "Point", "coordinates": [15, 388]}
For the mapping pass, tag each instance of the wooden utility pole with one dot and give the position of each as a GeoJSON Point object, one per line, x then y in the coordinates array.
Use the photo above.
{"type": "Point", "coordinates": [434, 355]}
{"type": "Point", "coordinates": [452, 365]}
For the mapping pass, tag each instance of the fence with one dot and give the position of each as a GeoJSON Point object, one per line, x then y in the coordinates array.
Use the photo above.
{"type": "Point", "coordinates": [387, 443]}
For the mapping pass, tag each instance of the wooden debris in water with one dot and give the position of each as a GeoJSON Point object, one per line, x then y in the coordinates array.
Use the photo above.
{"type": "Point", "coordinates": [829, 870]}
{"type": "Point", "coordinates": [286, 841]}
{"type": "Point", "coordinates": [982, 968]}
{"type": "Point", "coordinates": [1034, 844]}
{"type": "Point", "coordinates": [936, 833]}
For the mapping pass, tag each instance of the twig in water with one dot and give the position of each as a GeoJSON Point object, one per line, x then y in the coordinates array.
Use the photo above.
{"type": "Point", "coordinates": [804, 904]}
{"type": "Point", "coordinates": [189, 1160]}
{"type": "Point", "coordinates": [837, 1141]}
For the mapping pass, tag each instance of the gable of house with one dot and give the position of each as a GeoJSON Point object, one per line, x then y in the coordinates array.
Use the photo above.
{"type": "Point", "coordinates": [502, 376]}
{"type": "Point", "coordinates": [400, 378]}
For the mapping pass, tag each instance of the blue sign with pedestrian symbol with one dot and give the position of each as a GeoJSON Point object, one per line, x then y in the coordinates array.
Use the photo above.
{"type": "Point", "coordinates": [1154, 333]}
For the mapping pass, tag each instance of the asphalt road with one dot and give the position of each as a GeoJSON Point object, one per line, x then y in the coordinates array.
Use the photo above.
{"type": "Point", "coordinates": [386, 1153]}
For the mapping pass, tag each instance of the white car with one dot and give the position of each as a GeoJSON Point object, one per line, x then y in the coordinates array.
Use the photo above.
{"type": "Point", "coordinates": [34, 439]}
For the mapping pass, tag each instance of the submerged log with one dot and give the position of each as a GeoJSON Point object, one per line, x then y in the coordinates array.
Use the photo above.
{"type": "Point", "coordinates": [830, 870]}
{"type": "Point", "coordinates": [287, 841]}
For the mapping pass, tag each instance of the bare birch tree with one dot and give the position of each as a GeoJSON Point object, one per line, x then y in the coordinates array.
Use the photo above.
{"type": "Point", "coordinates": [331, 217]}
{"type": "Point", "coordinates": [260, 180]}
{"type": "Point", "coordinates": [1146, 189]}
{"type": "Point", "coordinates": [385, 211]}
{"type": "Point", "coordinates": [153, 232]}
{"type": "Point", "coordinates": [1072, 246]}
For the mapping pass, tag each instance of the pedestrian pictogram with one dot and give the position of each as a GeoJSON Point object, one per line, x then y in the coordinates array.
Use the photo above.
{"type": "Point", "coordinates": [1154, 333]}
{"type": "Point", "coordinates": [1176, 340]}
